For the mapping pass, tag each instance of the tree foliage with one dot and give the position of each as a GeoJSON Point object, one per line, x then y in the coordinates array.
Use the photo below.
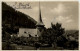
{"type": "Point", "coordinates": [50, 35]}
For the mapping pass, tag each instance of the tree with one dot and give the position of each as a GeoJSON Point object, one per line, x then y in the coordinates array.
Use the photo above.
{"type": "Point", "coordinates": [58, 29]}
{"type": "Point", "coordinates": [50, 35]}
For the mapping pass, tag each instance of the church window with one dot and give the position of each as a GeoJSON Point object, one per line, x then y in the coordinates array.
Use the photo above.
{"type": "Point", "coordinates": [25, 32]}
{"type": "Point", "coordinates": [35, 35]}
{"type": "Point", "coordinates": [40, 30]}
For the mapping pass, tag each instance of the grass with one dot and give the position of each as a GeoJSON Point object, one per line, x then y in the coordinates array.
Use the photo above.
{"type": "Point", "coordinates": [20, 47]}
{"type": "Point", "coordinates": [24, 47]}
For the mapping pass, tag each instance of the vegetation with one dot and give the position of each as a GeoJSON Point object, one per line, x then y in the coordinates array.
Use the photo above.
{"type": "Point", "coordinates": [50, 35]}
{"type": "Point", "coordinates": [56, 37]}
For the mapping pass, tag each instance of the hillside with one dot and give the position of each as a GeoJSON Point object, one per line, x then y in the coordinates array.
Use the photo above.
{"type": "Point", "coordinates": [12, 20]}
{"type": "Point", "coordinates": [16, 18]}
{"type": "Point", "coordinates": [74, 33]}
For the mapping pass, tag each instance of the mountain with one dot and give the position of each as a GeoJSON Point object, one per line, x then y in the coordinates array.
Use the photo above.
{"type": "Point", "coordinates": [74, 33]}
{"type": "Point", "coordinates": [71, 31]}
{"type": "Point", "coordinates": [13, 20]}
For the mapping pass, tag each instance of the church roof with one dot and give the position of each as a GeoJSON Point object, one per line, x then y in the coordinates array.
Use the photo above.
{"type": "Point", "coordinates": [40, 23]}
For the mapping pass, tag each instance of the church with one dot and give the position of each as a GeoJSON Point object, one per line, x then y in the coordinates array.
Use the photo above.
{"type": "Point", "coordinates": [27, 32]}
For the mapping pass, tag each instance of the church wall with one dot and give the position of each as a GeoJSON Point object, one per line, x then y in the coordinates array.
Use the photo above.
{"type": "Point", "coordinates": [25, 32]}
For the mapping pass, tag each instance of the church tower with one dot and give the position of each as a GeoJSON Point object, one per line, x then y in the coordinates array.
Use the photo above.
{"type": "Point", "coordinates": [40, 25]}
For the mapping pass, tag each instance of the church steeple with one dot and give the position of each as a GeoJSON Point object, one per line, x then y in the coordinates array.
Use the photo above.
{"type": "Point", "coordinates": [40, 22]}
{"type": "Point", "coordinates": [40, 26]}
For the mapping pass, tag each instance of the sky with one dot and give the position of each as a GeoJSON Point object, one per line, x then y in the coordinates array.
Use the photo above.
{"type": "Point", "coordinates": [64, 12]}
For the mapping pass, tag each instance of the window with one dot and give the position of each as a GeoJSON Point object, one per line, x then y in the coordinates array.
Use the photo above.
{"type": "Point", "coordinates": [35, 35]}
{"type": "Point", "coordinates": [25, 32]}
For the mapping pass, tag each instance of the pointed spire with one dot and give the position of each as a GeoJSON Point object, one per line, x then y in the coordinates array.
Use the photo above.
{"type": "Point", "coordinates": [40, 19]}
{"type": "Point", "coordinates": [40, 22]}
